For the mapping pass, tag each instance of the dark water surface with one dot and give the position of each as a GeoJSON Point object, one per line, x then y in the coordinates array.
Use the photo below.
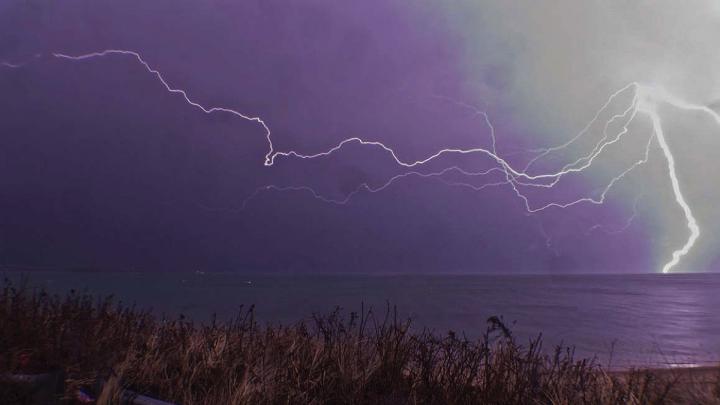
{"type": "Point", "coordinates": [644, 320]}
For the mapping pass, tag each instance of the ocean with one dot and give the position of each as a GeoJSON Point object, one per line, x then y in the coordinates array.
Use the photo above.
{"type": "Point", "coordinates": [624, 320]}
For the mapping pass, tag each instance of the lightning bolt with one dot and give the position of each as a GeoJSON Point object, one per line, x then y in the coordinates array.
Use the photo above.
{"type": "Point", "coordinates": [620, 229]}
{"type": "Point", "coordinates": [11, 65]}
{"type": "Point", "coordinates": [649, 109]}
{"type": "Point", "coordinates": [645, 100]}
{"type": "Point", "coordinates": [173, 90]}
{"type": "Point", "coordinates": [18, 65]}
{"type": "Point", "coordinates": [367, 188]}
{"type": "Point", "coordinates": [546, 151]}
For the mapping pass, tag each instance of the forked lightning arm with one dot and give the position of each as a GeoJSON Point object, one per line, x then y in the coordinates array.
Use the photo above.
{"type": "Point", "coordinates": [645, 100]}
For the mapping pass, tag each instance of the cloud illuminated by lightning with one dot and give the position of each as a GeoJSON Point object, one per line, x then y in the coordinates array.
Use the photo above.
{"type": "Point", "coordinates": [645, 100]}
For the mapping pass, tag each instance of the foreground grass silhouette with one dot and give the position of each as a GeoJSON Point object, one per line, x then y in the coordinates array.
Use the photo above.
{"type": "Point", "coordinates": [102, 348]}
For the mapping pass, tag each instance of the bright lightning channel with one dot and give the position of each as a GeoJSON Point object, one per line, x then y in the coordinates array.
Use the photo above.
{"type": "Point", "coordinates": [646, 99]}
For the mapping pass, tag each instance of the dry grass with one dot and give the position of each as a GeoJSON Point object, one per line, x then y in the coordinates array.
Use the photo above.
{"type": "Point", "coordinates": [358, 359]}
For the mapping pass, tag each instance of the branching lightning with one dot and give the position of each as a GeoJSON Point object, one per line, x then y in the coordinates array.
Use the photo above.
{"type": "Point", "coordinates": [645, 100]}
{"type": "Point", "coordinates": [181, 92]}
{"type": "Point", "coordinates": [620, 229]}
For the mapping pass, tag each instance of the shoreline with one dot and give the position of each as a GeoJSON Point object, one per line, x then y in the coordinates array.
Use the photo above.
{"type": "Point", "coordinates": [458, 304]}
{"type": "Point", "coordinates": [338, 357]}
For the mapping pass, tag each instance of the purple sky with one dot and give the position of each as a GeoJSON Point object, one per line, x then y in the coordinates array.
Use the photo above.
{"type": "Point", "coordinates": [101, 167]}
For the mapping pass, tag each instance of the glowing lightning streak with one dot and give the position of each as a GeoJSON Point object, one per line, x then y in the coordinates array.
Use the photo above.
{"type": "Point", "coordinates": [206, 110]}
{"type": "Point", "coordinates": [679, 198]}
{"type": "Point", "coordinates": [546, 151]}
{"type": "Point", "coordinates": [617, 231]}
{"type": "Point", "coordinates": [272, 154]}
{"type": "Point", "coordinates": [18, 65]}
{"type": "Point", "coordinates": [502, 162]}
{"type": "Point", "coordinates": [644, 101]}
{"type": "Point", "coordinates": [366, 187]}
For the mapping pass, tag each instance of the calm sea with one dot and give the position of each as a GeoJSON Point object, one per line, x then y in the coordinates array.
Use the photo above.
{"type": "Point", "coordinates": [623, 319]}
